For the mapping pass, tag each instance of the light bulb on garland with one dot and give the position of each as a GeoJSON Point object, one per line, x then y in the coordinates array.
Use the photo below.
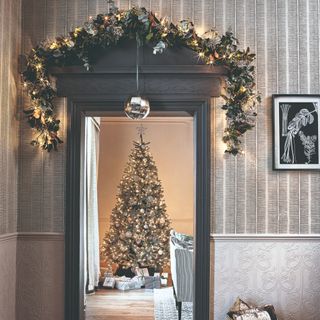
{"type": "Point", "coordinates": [137, 107]}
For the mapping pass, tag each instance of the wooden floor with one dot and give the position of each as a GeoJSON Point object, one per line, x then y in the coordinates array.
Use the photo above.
{"type": "Point", "coordinates": [119, 305]}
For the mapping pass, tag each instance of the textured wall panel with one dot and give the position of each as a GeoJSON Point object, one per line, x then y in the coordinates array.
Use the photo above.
{"type": "Point", "coordinates": [280, 272]}
{"type": "Point", "coordinates": [40, 269]}
{"type": "Point", "coordinates": [10, 18]}
{"type": "Point", "coordinates": [249, 197]}
{"type": "Point", "coordinates": [8, 246]}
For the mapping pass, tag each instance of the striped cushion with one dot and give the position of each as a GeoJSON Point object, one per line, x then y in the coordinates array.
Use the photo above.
{"type": "Point", "coordinates": [182, 271]}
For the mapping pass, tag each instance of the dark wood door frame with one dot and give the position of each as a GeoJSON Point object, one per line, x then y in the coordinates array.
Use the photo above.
{"type": "Point", "coordinates": [173, 82]}
{"type": "Point", "coordinates": [74, 247]}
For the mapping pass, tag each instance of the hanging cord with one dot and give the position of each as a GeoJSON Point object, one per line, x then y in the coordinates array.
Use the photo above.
{"type": "Point", "coordinates": [137, 63]}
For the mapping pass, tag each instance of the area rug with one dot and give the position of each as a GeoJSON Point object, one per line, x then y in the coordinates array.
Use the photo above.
{"type": "Point", "coordinates": [165, 306]}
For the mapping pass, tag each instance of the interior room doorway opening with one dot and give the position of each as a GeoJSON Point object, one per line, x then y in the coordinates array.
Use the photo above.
{"type": "Point", "coordinates": [135, 198]}
{"type": "Point", "coordinates": [75, 237]}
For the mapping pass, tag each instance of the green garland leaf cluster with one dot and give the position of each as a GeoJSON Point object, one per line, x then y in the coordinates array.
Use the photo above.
{"type": "Point", "coordinates": [82, 44]}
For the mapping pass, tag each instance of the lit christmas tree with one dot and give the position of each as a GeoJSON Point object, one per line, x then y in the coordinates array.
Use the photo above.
{"type": "Point", "coordinates": [139, 228]}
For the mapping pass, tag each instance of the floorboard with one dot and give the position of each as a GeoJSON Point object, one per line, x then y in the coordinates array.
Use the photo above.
{"type": "Point", "coordinates": [116, 305]}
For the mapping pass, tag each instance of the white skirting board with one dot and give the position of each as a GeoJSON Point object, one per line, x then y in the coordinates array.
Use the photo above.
{"type": "Point", "coordinates": [283, 270]}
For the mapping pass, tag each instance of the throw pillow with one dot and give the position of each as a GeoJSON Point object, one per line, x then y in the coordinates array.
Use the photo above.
{"type": "Point", "coordinates": [243, 311]}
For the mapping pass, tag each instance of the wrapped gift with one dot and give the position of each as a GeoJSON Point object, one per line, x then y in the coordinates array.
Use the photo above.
{"type": "Point", "coordinates": [164, 282]}
{"type": "Point", "coordinates": [124, 283]}
{"type": "Point", "coordinates": [152, 282]}
{"type": "Point", "coordinates": [109, 282]}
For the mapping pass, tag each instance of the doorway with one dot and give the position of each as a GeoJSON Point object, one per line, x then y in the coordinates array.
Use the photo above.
{"type": "Point", "coordinates": [140, 200]}
{"type": "Point", "coordinates": [99, 107]}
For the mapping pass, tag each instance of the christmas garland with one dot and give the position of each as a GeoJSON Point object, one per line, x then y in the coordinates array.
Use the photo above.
{"type": "Point", "coordinates": [107, 30]}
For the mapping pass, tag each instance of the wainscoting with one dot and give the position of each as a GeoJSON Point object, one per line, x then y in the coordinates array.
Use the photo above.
{"type": "Point", "coordinates": [8, 246]}
{"type": "Point", "coordinates": [40, 270]}
{"type": "Point", "coordinates": [281, 270]}
{"type": "Point", "coordinates": [32, 276]}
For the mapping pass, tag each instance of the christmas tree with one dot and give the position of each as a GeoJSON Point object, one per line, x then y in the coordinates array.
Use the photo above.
{"type": "Point", "coordinates": [140, 227]}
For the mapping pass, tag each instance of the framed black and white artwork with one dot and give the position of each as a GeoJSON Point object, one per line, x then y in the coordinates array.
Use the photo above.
{"type": "Point", "coordinates": [296, 132]}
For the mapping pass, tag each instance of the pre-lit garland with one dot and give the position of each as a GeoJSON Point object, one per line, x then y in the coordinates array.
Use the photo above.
{"type": "Point", "coordinates": [107, 30]}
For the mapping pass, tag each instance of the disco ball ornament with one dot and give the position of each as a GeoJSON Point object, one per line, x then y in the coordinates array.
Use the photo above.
{"type": "Point", "coordinates": [137, 108]}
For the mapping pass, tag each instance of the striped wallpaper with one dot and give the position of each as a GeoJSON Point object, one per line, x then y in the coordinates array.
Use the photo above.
{"type": "Point", "coordinates": [247, 196]}
{"type": "Point", "coordinates": [10, 25]}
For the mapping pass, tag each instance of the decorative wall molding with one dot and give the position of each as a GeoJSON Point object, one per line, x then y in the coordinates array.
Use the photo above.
{"type": "Point", "coordinates": [280, 270]}
{"type": "Point", "coordinates": [8, 237]}
{"type": "Point", "coordinates": [265, 237]}
{"type": "Point", "coordinates": [33, 236]}
{"type": "Point", "coordinates": [40, 236]}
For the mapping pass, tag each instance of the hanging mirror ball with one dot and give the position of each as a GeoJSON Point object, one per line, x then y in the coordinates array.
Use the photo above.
{"type": "Point", "coordinates": [137, 108]}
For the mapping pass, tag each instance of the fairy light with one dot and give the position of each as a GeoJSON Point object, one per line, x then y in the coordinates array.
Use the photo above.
{"type": "Point", "coordinates": [202, 47]}
{"type": "Point", "coordinates": [242, 89]}
{"type": "Point", "coordinates": [54, 45]}
{"type": "Point", "coordinates": [76, 31]}
{"type": "Point", "coordinates": [39, 66]}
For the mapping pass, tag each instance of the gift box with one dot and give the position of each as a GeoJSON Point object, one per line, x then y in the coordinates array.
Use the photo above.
{"type": "Point", "coordinates": [124, 283]}
{"type": "Point", "coordinates": [109, 282]}
{"type": "Point", "coordinates": [152, 282]}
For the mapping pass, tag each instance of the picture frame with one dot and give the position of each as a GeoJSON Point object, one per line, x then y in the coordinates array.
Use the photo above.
{"type": "Point", "coordinates": [296, 132]}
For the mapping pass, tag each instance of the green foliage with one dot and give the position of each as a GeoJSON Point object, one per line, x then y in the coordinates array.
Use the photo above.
{"type": "Point", "coordinates": [106, 30]}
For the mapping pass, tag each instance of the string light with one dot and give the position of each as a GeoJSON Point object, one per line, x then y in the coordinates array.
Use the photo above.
{"type": "Point", "coordinates": [243, 89]}
{"type": "Point", "coordinates": [39, 66]}
{"type": "Point", "coordinates": [195, 43]}
{"type": "Point", "coordinates": [205, 48]}
{"type": "Point", "coordinates": [53, 45]}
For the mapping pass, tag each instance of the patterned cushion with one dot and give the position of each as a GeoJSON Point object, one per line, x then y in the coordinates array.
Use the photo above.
{"type": "Point", "coordinates": [242, 311]}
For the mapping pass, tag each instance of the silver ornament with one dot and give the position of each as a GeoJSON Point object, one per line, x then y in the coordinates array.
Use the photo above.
{"type": "Point", "coordinates": [128, 234]}
{"type": "Point", "coordinates": [137, 108]}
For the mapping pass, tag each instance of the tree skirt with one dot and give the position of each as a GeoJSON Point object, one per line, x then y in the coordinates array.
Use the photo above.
{"type": "Point", "coordinates": [165, 306]}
